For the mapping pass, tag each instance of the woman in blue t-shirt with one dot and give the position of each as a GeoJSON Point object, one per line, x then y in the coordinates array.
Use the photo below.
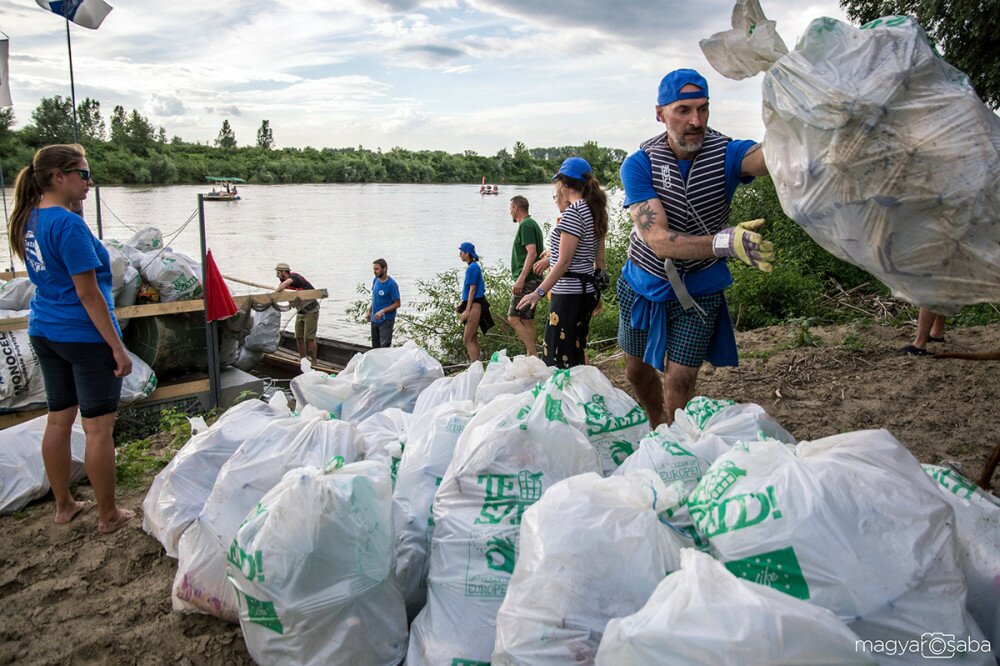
{"type": "Point", "coordinates": [576, 259]}
{"type": "Point", "coordinates": [474, 309]}
{"type": "Point", "coordinates": [72, 325]}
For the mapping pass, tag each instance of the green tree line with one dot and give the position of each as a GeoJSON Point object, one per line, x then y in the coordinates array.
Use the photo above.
{"type": "Point", "coordinates": [129, 149]}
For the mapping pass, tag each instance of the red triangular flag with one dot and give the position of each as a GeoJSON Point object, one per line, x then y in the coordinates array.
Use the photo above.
{"type": "Point", "coordinates": [218, 302]}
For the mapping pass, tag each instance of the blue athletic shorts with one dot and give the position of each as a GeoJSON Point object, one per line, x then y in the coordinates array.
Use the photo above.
{"type": "Point", "coordinates": [78, 373]}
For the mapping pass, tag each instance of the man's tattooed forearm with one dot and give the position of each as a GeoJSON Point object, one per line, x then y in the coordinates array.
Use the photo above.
{"type": "Point", "coordinates": [644, 217]}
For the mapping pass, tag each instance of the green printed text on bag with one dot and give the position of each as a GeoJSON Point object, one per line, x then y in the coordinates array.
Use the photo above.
{"type": "Point", "coordinates": [508, 496]}
{"type": "Point", "coordinates": [951, 481]}
{"type": "Point", "coordinates": [600, 419]}
{"type": "Point", "coordinates": [250, 565]}
{"type": "Point", "coordinates": [700, 409]}
{"type": "Point", "coordinates": [734, 513]}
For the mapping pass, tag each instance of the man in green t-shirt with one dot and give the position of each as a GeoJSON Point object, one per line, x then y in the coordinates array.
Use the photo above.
{"type": "Point", "coordinates": [528, 246]}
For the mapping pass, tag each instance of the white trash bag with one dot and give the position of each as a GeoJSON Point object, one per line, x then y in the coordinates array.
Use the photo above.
{"type": "Point", "coordinates": [265, 333]}
{"type": "Point", "coordinates": [733, 422]}
{"type": "Point", "coordinates": [385, 436]}
{"type": "Point", "coordinates": [248, 360]}
{"type": "Point", "coordinates": [430, 445]}
{"type": "Point", "coordinates": [176, 276]}
{"type": "Point", "coordinates": [120, 263]}
{"type": "Point", "coordinates": [146, 240]}
{"type": "Point", "coordinates": [178, 493]}
{"type": "Point", "coordinates": [370, 383]}
{"type": "Point", "coordinates": [703, 614]}
{"type": "Point", "coordinates": [312, 566]}
{"type": "Point", "coordinates": [140, 383]}
{"type": "Point", "coordinates": [854, 120]}
{"type": "Point", "coordinates": [134, 255]}
{"type": "Point", "coordinates": [16, 294]}
{"type": "Point", "coordinates": [750, 48]}
{"type": "Point", "coordinates": [850, 523]}
{"type": "Point", "coordinates": [506, 376]}
{"type": "Point", "coordinates": [284, 444]}
{"type": "Point", "coordinates": [613, 422]}
{"type": "Point", "coordinates": [680, 465]}
{"type": "Point", "coordinates": [22, 471]}
{"type": "Point", "coordinates": [977, 529]}
{"type": "Point", "coordinates": [592, 549]}
{"type": "Point", "coordinates": [449, 389]}
{"type": "Point", "coordinates": [511, 451]}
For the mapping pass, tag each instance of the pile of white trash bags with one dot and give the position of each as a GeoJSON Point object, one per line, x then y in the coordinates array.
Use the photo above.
{"type": "Point", "coordinates": [854, 122]}
{"type": "Point", "coordinates": [549, 525]}
{"type": "Point", "coordinates": [143, 258]}
{"type": "Point", "coordinates": [369, 383]}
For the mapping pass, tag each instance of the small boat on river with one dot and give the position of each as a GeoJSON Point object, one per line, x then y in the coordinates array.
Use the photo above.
{"type": "Point", "coordinates": [227, 190]}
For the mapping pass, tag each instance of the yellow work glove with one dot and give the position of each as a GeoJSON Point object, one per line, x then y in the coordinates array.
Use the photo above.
{"type": "Point", "coordinates": [744, 243]}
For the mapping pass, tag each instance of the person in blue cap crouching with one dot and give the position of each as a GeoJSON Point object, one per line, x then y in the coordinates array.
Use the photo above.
{"type": "Point", "coordinates": [678, 187]}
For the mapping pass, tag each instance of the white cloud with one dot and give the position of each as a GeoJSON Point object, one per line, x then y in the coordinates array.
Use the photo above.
{"type": "Point", "coordinates": [162, 105]}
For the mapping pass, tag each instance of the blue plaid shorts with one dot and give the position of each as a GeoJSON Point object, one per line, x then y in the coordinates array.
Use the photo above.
{"type": "Point", "coordinates": [688, 334]}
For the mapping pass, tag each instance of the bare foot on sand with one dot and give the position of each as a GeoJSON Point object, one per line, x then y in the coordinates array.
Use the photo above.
{"type": "Point", "coordinates": [124, 515]}
{"type": "Point", "coordinates": [63, 517]}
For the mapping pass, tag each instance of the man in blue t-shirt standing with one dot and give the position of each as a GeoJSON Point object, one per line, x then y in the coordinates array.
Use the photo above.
{"type": "Point", "coordinates": [385, 302]}
{"type": "Point", "coordinates": [678, 186]}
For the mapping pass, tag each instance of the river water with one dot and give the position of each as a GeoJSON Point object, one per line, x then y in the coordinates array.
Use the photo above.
{"type": "Point", "coordinates": [329, 233]}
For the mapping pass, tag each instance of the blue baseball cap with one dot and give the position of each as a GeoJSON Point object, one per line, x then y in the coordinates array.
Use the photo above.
{"type": "Point", "coordinates": [670, 86]}
{"type": "Point", "coordinates": [469, 249]}
{"type": "Point", "coordinates": [574, 167]}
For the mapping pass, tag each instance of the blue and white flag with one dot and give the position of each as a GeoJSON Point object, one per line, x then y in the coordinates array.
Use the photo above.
{"type": "Point", "coordinates": [86, 13]}
{"type": "Point", "coordinates": [5, 100]}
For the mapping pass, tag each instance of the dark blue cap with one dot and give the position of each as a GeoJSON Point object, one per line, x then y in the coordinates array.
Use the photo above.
{"type": "Point", "coordinates": [574, 167]}
{"type": "Point", "coordinates": [469, 249]}
{"type": "Point", "coordinates": [670, 86]}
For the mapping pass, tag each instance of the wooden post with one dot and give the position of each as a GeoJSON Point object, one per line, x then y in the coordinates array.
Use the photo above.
{"type": "Point", "coordinates": [211, 329]}
{"type": "Point", "coordinates": [986, 477]}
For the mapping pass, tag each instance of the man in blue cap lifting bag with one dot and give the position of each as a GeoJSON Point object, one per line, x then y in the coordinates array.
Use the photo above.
{"type": "Point", "coordinates": [678, 186]}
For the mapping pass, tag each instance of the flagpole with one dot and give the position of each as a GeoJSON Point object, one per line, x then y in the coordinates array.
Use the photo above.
{"type": "Point", "coordinates": [72, 87]}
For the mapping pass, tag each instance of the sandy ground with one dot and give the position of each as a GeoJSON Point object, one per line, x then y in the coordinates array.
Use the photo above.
{"type": "Point", "coordinates": [71, 596]}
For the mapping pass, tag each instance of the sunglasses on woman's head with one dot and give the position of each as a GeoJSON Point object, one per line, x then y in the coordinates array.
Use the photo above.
{"type": "Point", "coordinates": [84, 173]}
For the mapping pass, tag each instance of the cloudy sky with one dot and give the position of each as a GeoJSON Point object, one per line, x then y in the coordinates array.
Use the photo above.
{"type": "Point", "coordinates": [420, 74]}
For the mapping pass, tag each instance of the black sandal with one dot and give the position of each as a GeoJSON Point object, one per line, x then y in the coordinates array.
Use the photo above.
{"type": "Point", "coordinates": [931, 338]}
{"type": "Point", "coordinates": [916, 351]}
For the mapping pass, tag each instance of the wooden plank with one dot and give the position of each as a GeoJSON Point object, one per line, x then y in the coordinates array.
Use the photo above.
{"type": "Point", "coordinates": [14, 418]}
{"type": "Point", "coordinates": [7, 275]}
{"type": "Point", "coordinates": [172, 391]}
{"type": "Point", "coordinates": [16, 324]}
{"type": "Point", "coordinates": [283, 296]}
{"type": "Point", "coordinates": [269, 287]}
{"type": "Point", "coordinates": [154, 309]}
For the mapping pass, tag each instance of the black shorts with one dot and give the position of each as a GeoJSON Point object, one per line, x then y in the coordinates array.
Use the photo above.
{"type": "Point", "coordinates": [79, 373]}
